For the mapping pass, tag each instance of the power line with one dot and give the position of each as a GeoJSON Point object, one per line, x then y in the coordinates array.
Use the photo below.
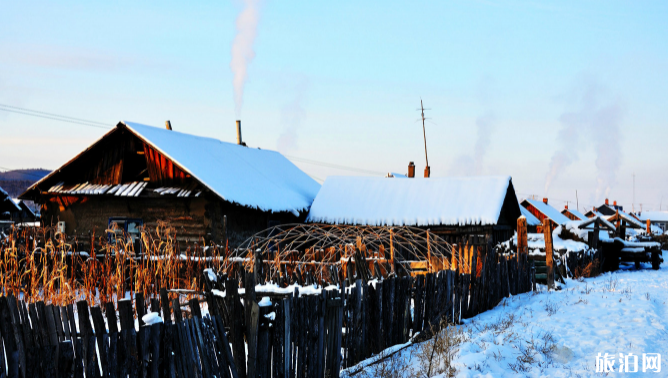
{"type": "Point", "coordinates": [54, 117]}
{"type": "Point", "coordinates": [329, 165]}
{"type": "Point", "coordinates": [100, 125]}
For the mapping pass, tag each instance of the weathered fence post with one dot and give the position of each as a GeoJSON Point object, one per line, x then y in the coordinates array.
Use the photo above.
{"type": "Point", "coordinates": [522, 244]}
{"type": "Point", "coordinates": [547, 231]}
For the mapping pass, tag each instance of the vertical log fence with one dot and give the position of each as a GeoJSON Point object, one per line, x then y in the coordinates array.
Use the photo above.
{"type": "Point", "coordinates": [284, 335]}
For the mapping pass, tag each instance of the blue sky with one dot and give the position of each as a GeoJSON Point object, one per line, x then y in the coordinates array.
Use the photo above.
{"type": "Point", "coordinates": [573, 93]}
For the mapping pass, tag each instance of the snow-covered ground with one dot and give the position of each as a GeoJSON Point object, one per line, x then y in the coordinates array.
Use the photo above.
{"type": "Point", "coordinates": [556, 333]}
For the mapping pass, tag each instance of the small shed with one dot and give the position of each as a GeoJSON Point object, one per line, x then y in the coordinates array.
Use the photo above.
{"type": "Point", "coordinates": [532, 222]}
{"type": "Point", "coordinates": [452, 207]}
{"type": "Point", "coordinates": [541, 210]}
{"type": "Point", "coordinates": [140, 175]}
{"type": "Point", "coordinates": [573, 214]}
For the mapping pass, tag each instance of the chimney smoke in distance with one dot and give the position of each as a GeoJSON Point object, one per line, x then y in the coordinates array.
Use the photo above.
{"type": "Point", "coordinates": [168, 125]}
{"type": "Point", "coordinates": [411, 170]}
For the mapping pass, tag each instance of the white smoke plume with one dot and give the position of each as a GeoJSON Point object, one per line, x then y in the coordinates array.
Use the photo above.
{"type": "Point", "coordinates": [600, 125]}
{"type": "Point", "coordinates": [292, 115]}
{"type": "Point", "coordinates": [465, 164]}
{"type": "Point", "coordinates": [485, 126]}
{"type": "Point", "coordinates": [242, 48]}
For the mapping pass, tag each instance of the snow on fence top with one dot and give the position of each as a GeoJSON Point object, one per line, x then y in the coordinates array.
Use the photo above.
{"type": "Point", "coordinates": [377, 201]}
{"type": "Point", "coordinates": [251, 177]}
{"type": "Point", "coordinates": [548, 211]}
{"type": "Point", "coordinates": [531, 219]}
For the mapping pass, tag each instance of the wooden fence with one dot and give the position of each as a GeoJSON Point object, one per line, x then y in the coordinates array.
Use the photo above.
{"type": "Point", "coordinates": [288, 336]}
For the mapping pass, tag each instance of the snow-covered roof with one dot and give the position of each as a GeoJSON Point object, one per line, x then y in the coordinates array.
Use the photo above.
{"type": "Point", "coordinates": [10, 205]}
{"type": "Point", "coordinates": [576, 213]}
{"type": "Point", "coordinates": [248, 176]}
{"type": "Point", "coordinates": [415, 201]}
{"type": "Point", "coordinates": [656, 216]}
{"type": "Point", "coordinates": [531, 219]}
{"type": "Point", "coordinates": [548, 211]}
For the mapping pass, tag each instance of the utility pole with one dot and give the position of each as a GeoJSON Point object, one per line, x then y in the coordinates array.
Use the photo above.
{"type": "Point", "coordinates": [427, 171]}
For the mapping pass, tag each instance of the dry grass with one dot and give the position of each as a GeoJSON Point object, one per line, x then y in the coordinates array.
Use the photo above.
{"type": "Point", "coordinates": [39, 264]}
{"type": "Point", "coordinates": [590, 270]}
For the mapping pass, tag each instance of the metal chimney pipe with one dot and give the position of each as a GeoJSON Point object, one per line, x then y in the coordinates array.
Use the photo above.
{"type": "Point", "coordinates": [239, 142]}
{"type": "Point", "coordinates": [168, 125]}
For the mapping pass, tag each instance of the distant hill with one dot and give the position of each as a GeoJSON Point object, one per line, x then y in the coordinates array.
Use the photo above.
{"type": "Point", "coordinates": [17, 181]}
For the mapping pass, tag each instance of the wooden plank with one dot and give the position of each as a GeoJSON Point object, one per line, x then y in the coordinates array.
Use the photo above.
{"type": "Point", "coordinates": [59, 323]}
{"type": "Point", "coordinates": [263, 343]}
{"type": "Point", "coordinates": [140, 307]}
{"type": "Point", "coordinates": [101, 336]}
{"type": "Point", "coordinates": [154, 347]}
{"type": "Point", "coordinates": [236, 327]}
{"type": "Point", "coordinates": [17, 329]}
{"type": "Point", "coordinates": [143, 338]}
{"type": "Point", "coordinates": [11, 349]}
{"type": "Point", "coordinates": [253, 323]}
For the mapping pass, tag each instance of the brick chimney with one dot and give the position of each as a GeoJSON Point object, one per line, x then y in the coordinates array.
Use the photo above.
{"type": "Point", "coordinates": [614, 203]}
{"type": "Point", "coordinates": [566, 206]}
{"type": "Point", "coordinates": [411, 170]}
{"type": "Point", "coordinates": [606, 202]}
{"type": "Point", "coordinates": [545, 201]}
{"type": "Point", "coordinates": [427, 172]}
{"type": "Point", "coordinates": [168, 125]}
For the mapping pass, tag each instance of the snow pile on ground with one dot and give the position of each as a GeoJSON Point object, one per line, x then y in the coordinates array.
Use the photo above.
{"type": "Point", "coordinates": [553, 334]}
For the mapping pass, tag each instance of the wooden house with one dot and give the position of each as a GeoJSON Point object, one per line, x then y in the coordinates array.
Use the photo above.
{"type": "Point", "coordinates": [454, 208]}
{"type": "Point", "coordinates": [532, 222]}
{"type": "Point", "coordinates": [137, 175]}
{"type": "Point", "coordinates": [541, 210]}
{"type": "Point", "coordinates": [573, 214]}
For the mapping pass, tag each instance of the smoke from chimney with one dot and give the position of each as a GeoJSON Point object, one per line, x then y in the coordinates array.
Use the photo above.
{"type": "Point", "coordinates": [601, 121]}
{"type": "Point", "coordinates": [242, 48]}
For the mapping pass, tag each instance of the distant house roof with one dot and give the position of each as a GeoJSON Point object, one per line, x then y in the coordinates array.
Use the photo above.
{"type": "Point", "coordinates": [547, 211]}
{"type": "Point", "coordinates": [654, 216]}
{"type": "Point", "coordinates": [574, 212]}
{"type": "Point", "coordinates": [531, 219]}
{"type": "Point", "coordinates": [7, 203]}
{"type": "Point", "coordinates": [250, 177]}
{"type": "Point", "coordinates": [593, 214]}
{"type": "Point", "coordinates": [444, 201]}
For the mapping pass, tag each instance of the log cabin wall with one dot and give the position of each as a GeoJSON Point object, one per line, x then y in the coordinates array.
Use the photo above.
{"type": "Point", "coordinates": [193, 218]}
